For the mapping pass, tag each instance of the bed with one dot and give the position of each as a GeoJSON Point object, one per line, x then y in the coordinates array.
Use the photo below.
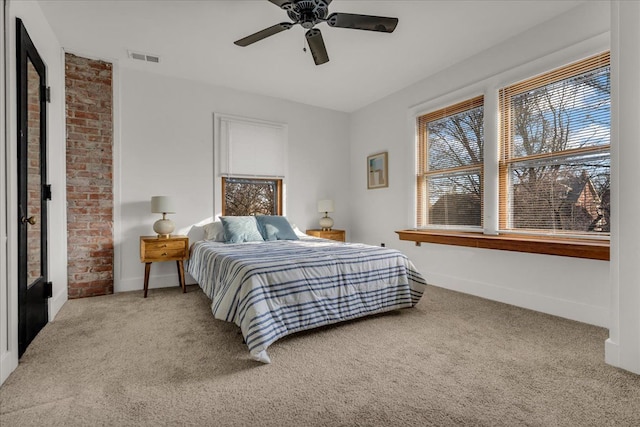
{"type": "Point", "coordinates": [278, 287]}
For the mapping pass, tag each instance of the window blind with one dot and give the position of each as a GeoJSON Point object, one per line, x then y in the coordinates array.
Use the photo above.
{"type": "Point", "coordinates": [555, 138]}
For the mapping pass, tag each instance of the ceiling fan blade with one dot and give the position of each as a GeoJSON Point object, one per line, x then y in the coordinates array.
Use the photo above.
{"type": "Point", "coordinates": [280, 3]}
{"type": "Point", "coordinates": [362, 22]}
{"type": "Point", "coordinates": [263, 34]}
{"type": "Point", "coordinates": [316, 44]}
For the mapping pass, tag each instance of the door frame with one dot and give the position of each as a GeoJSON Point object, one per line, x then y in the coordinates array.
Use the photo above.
{"type": "Point", "coordinates": [8, 257]}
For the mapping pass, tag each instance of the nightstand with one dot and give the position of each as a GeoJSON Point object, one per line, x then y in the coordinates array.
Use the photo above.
{"type": "Point", "coordinates": [333, 234]}
{"type": "Point", "coordinates": [157, 249]}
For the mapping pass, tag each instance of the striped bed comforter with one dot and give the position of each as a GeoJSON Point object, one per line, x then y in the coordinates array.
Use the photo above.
{"type": "Point", "coordinates": [275, 288]}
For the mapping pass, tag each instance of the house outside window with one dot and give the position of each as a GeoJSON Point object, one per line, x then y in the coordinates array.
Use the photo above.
{"type": "Point", "coordinates": [449, 170]}
{"type": "Point", "coordinates": [251, 196]}
{"type": "Point", "coordinates": [555, 163]}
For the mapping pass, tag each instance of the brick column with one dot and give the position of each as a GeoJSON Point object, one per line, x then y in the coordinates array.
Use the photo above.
{"type": "Point", "coordinates": [89, 176]}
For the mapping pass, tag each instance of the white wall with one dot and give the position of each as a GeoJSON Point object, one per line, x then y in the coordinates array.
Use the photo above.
{"type": "Point", "coordinates": [51, 52]}
{"type": "Point", "coordinates": [573, 288]}
{"type": "Point", "coordinates": [165, 145]}
{"type": "Point", "coordinates": [622, 349]}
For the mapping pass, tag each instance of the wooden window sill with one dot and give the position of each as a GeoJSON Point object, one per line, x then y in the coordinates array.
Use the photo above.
{"type": "Point", "coordinates": [571, 247]}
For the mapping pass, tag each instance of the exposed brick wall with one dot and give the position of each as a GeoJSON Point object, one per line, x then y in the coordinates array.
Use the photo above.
{"type": "Point", "coordinates": [89, 176]}
{"type": "Point", "coordinates": [34, 182]}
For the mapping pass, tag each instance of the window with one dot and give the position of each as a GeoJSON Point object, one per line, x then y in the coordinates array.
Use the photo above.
{"type": "Point", "coordinates": [449, 171]}
{"type": "Point", "coordinates": [546, 188]}
{"type": "Point", "coordinates": [250, 196]}
{"type": "Point", "coordinates": [250, 166]}
{"type": "Point", "coordinates": [555, 163]}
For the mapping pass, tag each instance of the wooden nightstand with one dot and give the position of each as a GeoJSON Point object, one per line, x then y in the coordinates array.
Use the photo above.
{"type": "Point", "coordinates": [338, 235]}
{"type": "Point", "coordinates": [155, 249]}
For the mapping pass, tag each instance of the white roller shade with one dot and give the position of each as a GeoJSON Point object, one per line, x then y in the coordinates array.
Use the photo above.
{"type": "Point", "coordinates": [252, 147]}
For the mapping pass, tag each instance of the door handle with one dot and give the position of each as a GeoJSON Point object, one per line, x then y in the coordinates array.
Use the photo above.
{"type": "Point", "coordinates": [31, 220]}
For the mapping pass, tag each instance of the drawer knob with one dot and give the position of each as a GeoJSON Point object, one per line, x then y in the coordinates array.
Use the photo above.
{"type": "Point", "coordinates": [164, 254]}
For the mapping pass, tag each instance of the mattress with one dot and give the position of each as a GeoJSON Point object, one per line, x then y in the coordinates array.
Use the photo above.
{"type": "Point", "coordinates": [272, 289]}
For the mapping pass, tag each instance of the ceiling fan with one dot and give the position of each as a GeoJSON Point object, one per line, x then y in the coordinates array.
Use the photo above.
{"type": "Point", "coordinates": [308, 13]}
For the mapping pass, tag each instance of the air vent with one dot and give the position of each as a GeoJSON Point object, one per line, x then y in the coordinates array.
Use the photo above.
{"type": "Point", "coordinates": [143, 56]}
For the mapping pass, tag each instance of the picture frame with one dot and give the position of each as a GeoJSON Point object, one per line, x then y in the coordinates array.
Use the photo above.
{"type": "Point", "coordinates": [378, 170]}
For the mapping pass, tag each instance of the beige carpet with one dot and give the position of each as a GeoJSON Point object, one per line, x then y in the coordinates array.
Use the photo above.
{"type": "Point", "coordinates": [453, 360]}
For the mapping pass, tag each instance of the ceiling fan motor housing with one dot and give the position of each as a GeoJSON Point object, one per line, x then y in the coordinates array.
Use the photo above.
{"type": "Point", "coordinates": [307, 13]}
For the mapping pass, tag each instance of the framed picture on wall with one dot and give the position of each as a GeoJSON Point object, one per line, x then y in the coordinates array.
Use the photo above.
{"type": "Point", "coordinates": [377, 171]}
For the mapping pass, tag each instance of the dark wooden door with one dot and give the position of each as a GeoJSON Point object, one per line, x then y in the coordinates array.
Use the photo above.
{"type": "Point", "coordinates": [33, 192]}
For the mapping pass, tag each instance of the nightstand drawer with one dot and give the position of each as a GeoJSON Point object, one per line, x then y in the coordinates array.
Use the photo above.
{"type": "Point", "coordinates": [338, 235]}
{"type": "Point", "coordinates": [164, 253]}
{"type": "Point", "coordinates": [164, 244]}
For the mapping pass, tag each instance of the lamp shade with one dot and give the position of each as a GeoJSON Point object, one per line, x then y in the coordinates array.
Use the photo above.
{"type": "Point", "coordinates": [325, 205]}
{"type": "Point", "coordinates": [162, 204]}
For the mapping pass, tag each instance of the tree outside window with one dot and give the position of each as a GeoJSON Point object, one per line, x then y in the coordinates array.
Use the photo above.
{"type": "Point", "coordinates": [250, 196]}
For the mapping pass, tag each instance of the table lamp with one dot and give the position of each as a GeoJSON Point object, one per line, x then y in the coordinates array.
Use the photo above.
{"type": "Point", "coordinates": [325, 206]}
{"type": "Point", "coordinates": [164, 205]}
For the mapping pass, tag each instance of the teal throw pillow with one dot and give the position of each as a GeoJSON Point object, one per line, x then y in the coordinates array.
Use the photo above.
{"type": "Point", "coordinates": [275, 227]}
{"type": "Point", "coordinates": [238, 229]}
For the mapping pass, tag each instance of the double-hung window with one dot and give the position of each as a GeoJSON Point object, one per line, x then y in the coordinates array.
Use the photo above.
{"type": "Point", "coordinates": [555, 164]}
{"type": "Point", "coordinates": [449, 171]}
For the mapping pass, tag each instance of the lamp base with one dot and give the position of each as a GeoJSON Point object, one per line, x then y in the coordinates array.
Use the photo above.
{"type": "Point", "coordinates": [164, 228]}
{"type": "Point", "coordinates": [326, 223]}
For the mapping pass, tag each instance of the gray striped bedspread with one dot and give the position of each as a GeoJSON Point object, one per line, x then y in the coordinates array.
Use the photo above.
{"type": "Point", "coordinates": [275, 288]}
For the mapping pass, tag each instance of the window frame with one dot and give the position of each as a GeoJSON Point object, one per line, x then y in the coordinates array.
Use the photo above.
{"type": "Point", "coordinates": [423, 173]}
{"type": "Point", "coordinates": [278, 191]}
{"type": "Point", "coordinates": [554, 75]}
{"type": "Point", "coordinates": [223, 156]}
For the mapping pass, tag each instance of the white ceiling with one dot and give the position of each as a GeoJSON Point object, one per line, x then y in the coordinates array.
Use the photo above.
{"type": "Point", "coordinates": [194, 40]}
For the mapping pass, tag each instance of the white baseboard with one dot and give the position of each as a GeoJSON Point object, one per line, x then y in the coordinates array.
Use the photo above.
{"type": "Point", "coordinates": [593, 315]}
{"type": "Point", "coordinates": [8, 363]}
{"type": "Point", "coordinates": [56, 303]}
{"type": "Point", "coordinates": [611, 353]}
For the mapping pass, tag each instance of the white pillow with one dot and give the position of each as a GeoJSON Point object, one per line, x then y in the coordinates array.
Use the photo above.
{"type": "Point", "coordinates": [298, 232]}
{"type": "Point", "coordinates": [214, 231]}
